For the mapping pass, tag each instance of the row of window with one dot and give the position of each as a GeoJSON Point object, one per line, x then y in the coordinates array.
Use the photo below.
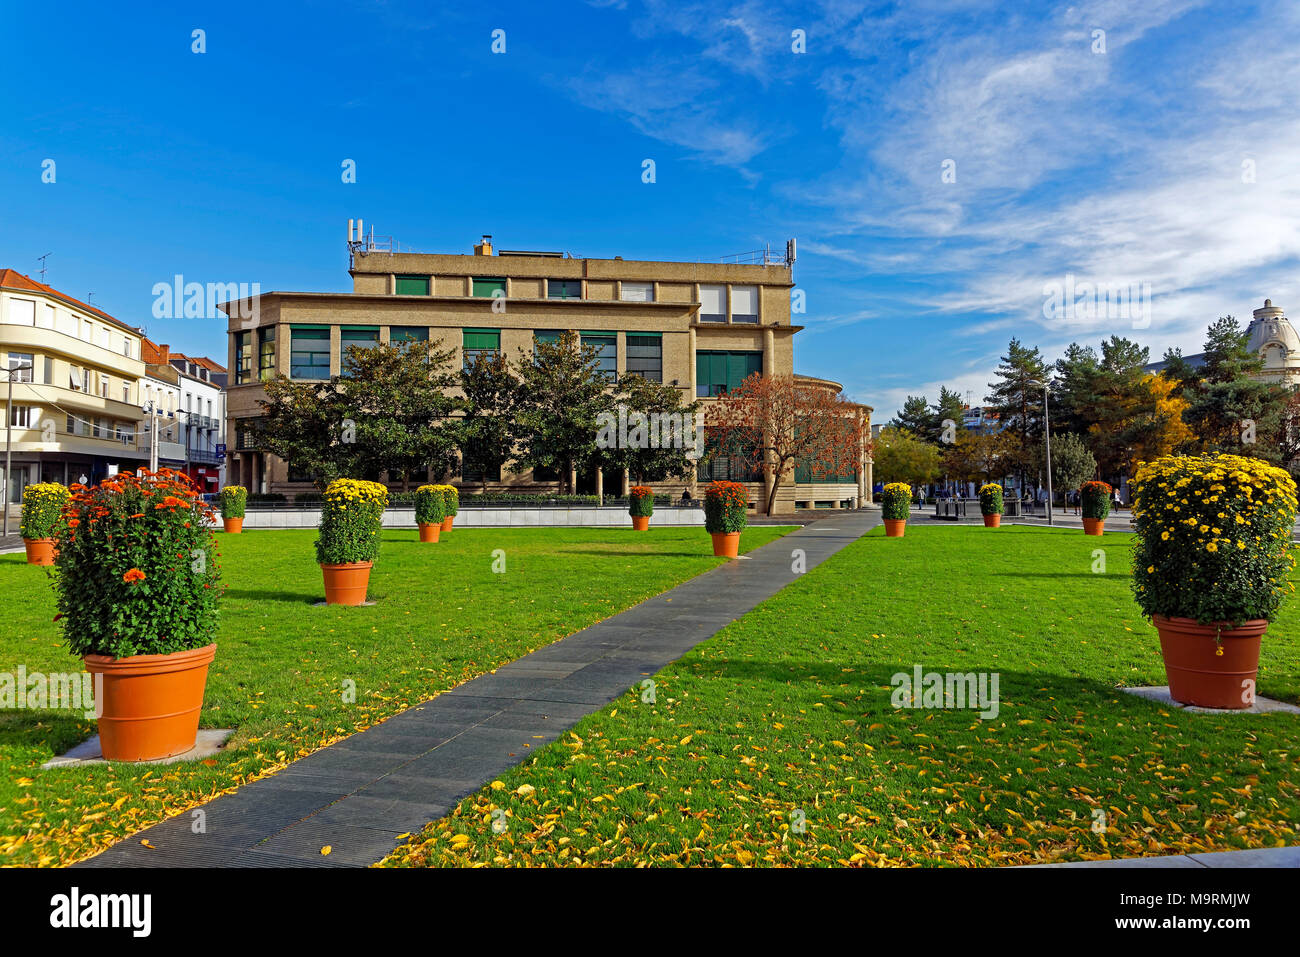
{"type": "Point", "coordinates": [713, 296]}
{"type": "Point", "coordinates": [26, 312]}
{"type": "Point", "coordinates": [29, 367]}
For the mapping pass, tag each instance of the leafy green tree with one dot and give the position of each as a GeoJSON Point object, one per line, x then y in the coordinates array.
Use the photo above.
{"type": "Point", "coordinates": [668, 417]}
{"type": "Point", "coordinates": [562, 394]}
{"type": "Point", "coordinates": [1074, 389]}
{"type": "Point", "coordinates": [492, 394]}
{"type": "Point", "coordinates": [1228, 409]}
{"type": "Point", "coordinates": [900, 456]}
{"type": "Point", "coordinates": [1072, 461]}
{"type": "Point", "coordinates": [389, 410]}
{"type": "Point", "coordinates": [949, 407]}
{"type": "Point", "coordinates": [914, 417]}
{"type": "Point", "coordinates": [1017, 398]}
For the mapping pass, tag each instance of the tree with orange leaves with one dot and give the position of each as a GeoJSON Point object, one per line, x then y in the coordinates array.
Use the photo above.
{"type": "Point", "coordinates": [773, 423]}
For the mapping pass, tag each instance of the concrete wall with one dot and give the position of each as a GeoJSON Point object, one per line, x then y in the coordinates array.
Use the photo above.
{"type": "Point", "coordinates": [579, 516]}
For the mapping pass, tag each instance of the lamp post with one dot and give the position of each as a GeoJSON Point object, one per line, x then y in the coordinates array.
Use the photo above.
{"type": "Point", "coordinates": [9, 418]}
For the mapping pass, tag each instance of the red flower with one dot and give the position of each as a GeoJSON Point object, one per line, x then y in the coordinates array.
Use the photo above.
{"type": "Point", "coordinates": [134, 575]}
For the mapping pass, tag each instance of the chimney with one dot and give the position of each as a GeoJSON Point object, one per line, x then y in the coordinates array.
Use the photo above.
{"type": "Point", "coordinates": [484, 248]}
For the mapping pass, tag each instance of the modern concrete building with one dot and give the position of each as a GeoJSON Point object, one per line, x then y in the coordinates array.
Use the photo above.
{"type": "Point", "coordinates": [76, 407]}
{"type": "Point", "coordinates": [702, 327]}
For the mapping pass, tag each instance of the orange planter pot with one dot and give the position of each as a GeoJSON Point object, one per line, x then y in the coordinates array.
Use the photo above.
{"type": "Point", "coordinates": [1197, 673]}
{"type": "Point", "coordinates": [1093, 526]}
{"type": "Point", "coordinates": [726, 544]}
{"type": "Point", "coordinates": [233, 526]}
{"type": "Point", "coordinates": [149, 704]}
{"type": "Point", "coordinates": [429, 533]}
{"type": "Point", "coordinates": [346, 584]}
{"type": "Point", "coordinates": [446, 523]}
{"type": "Point", "coordinates": [40, 551]}
{"type": "Point", "coordinates": [895, 527]}
{"type": "Point", "coordinates": [641, 523]}
{"type": "Point", "coordinates": [992, 521]}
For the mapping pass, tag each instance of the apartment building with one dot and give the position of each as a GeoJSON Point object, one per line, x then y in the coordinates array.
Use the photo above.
{"type": "Point", "coordinates": [187, 396]}
{"type": "Point", "coordinates": [702, 327]}
{"type": "Point", "coordinates": [76, 372]}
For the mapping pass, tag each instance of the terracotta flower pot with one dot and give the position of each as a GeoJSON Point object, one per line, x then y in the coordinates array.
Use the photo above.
{"type": "Point", "coordinates": [726, 544]}
{"type": "Point", "coordinates": [1197, 673]}
{"type": "Point", "coordinates": [641, 523]}
{"type": "Point", "coordinates": [149, 704]}
{"type": "Point", "coordinates": [895, 527]}
{"type": "Point", "coordinates": [429, 533]}
{"type": "Point", "coordinates": [40, 551]}
{"type": "Point", "coordinates": [992, 521]}
{"type": "Point", "coordinates": [446, 523]}
{"type": "Point", "coordinates": [1093, 526]}
{"type": "Point", "coordinates": [233, 526]}
{"type": "Point", "coordinates": [346, 584]}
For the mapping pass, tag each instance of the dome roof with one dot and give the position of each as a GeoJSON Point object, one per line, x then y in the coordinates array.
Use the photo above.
{"type": "Point", "coordinates": [1270, 326]}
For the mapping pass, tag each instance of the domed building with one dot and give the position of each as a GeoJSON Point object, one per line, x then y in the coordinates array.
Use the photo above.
{"type": "Point", "coordinates": [1275, 340]}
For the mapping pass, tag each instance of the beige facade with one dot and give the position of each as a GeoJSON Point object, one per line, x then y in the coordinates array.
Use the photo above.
{"type": "Point", "coordinates": [700, 316]}
{"type": "Point", "coordinates": [76, 411]}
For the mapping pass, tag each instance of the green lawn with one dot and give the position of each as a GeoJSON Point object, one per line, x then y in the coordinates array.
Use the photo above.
{"type": "Point", "coordinates": [442, 617]}
{"type": "Point", "coordinates": [786, 716]}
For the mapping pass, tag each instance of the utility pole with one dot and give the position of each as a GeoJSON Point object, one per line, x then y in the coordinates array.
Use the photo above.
{"type": "Point", "coordinates": [1047, 436]}
{"type": "Point", "coordinates": [9, 418]}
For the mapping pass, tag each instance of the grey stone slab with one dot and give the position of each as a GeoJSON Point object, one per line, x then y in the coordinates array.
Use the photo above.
{"type": "Point", "coordinates": [349, 844]}
{"type": "Point", "coordinates": [1256, 857]}
{"type": "Point", "coordinates": [384, 813]}
{"type": "Point", "coordinates": [1262, 705]}
{"type": "Point", "coordinates": [210, 742]}
{"type": "Point", "coordinates": [422, 789]}
{"type": "Point", "coordinates": [1129, 863]}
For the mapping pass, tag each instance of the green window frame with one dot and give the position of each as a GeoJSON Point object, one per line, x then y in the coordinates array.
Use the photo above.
{"type": "Point", "coordinates": [564, 289]}
{"type": "Point", "coordinates": [717, 373]}
{"type": "Point", "coordinates": [487, 287]}
{"type": "Point", "coordinates": [411, 285]}
{"type": "Point", "coordinates": [408, 334]}
{"type": "Point", "coordinates": [309, 352]}
{"type": "Point", "coordinates": [362, 337]}
{"type": "Point", "coordinates": [607, 356]}
{"type": "Point", "coordinates": [266, 353]}
{"type": "Point", "coordinates": [645, 355]}
{"type": "Point", "coordinates": [477, 342]}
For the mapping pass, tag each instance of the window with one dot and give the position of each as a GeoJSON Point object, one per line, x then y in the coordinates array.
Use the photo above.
{"type": "Point", "coordinates": [309, 352]}
{"type": "Point", "coordinates": [72, 426]}
{"type": "Point", "coordinates": [744, 304]}
{"type": "Point", "coordinates": [87, 330]}
{"type": "Point", "coordinates": [361, 337]}
{"type": "Point", "coordinates": [18, 359]}
{"type": "Point", "coordinates": [20, 416]}
{"type": "Point", "coordinates": [265, 353]}
{"type": "Point", "coordinates": [243, 357]}
{"type": "Point", "coordinates": [719, 372]}
{"type": "Point", "coordinates": [545, 335]}
{"type": "Point", "coordinates": [719, 467]}
{"type": "Point", "coordinates": [713, 303]}
{"type": "Point", "coordinates": [98, 431]}
{"type": "Point", "coordinates": [477, 342]}
{"type": "Point", "coordinates": [103, 336]}
{"type": "Point", "coordinates": [645, 356]}
{"type": "Point", "coordinates": [126, 347]}
{"type": "Point", "coordinates": [22, 312]}
{"type": "Point", "coordinates": [607, 355]}
{"type": "Point", "coordinates": [489, 287]}
{"type": "Point", "coordinates": [638, 292]}
{"type": "Point", "coordinates": [49, 371]}
{"type": "Point", "coordinates": [126, 392]}
{"type": "Point", "coordinates": [398, 334]}
{"type": "Point", "coordinates": [85, 381]}
{"type": "Point", "coordinates": [74, 380]}
{"type": "Point", "coordinates": [564, 289]}
{"type": "Point", "coordinates": [412, 285]}
{"type": "Point", "coordinates": [46, 318]}
{"type": "Point", "coordinates": [103, 386]}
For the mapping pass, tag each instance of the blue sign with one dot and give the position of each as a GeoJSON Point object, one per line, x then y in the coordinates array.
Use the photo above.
{"type": "Point", "coordinates": [221, 450]}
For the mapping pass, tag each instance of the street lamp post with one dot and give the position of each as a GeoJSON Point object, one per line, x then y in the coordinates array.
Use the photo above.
{"type": "Point", "coordinates": [1047, 438]}
{"type": "Point", "coordinates": [9, 418]}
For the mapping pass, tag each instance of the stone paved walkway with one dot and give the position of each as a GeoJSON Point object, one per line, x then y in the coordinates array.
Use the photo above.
{"type": "Point", "coordinates": [358, 795]}
{"type": "Point", "coordinates": [1258, 857]}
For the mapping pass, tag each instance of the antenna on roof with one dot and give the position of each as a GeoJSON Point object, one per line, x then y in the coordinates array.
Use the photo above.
{"type": "Point", "coordinates": [42, 259]}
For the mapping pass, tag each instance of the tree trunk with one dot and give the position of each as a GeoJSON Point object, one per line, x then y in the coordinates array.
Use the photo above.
{"type": "Point", "coordinates": [771, 496]}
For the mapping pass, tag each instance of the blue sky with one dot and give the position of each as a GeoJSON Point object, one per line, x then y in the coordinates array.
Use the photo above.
{"type": "Point", "coordinates": [1114, 163]}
